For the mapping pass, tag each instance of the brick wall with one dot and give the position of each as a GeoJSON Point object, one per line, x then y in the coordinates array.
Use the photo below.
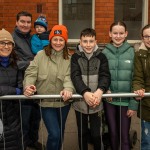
{"type": "Point", "coordinates": [149, 13]}
{"type": "Point", "coordinates": [9, 9]}
{"type": "Point", "coordinates": [104, 16]}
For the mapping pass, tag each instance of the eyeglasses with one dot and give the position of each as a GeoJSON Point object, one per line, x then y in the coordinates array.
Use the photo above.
{"type": "Point", "coordinates": [146, 37]}
{"type": "Point", "coordinates": [3, 44]}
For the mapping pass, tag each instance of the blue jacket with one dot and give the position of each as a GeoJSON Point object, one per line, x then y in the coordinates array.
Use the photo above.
{"type": "Point", "coordinates": [38, 43]}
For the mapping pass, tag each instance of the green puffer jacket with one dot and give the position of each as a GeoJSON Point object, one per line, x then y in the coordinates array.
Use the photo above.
{"type": "Point", "coordinates": [121, 68]}
{"type": "Point", "coordinates": [50, 76]}
{"type": "Point", "coordinates": [141, 79]}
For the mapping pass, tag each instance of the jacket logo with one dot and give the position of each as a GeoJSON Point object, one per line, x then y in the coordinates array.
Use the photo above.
{"type": "Point", "coordinates": [58, 32]}
{"type": "Point", "coordinates": [127, 61]}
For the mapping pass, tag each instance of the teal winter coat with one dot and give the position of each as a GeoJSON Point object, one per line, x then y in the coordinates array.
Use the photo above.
{"type": "Point", "coordinates": [121, 68]}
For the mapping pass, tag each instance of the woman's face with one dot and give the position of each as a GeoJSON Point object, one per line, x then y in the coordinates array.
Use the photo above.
{"type": "Point", "coordinates": [146, 37]}
{"type": "Point", "coordinates": [58, 43]}
{"type": "Point", "coordinates": [5, 48]}
{"type": "Point", "coordinates": [118, 35]}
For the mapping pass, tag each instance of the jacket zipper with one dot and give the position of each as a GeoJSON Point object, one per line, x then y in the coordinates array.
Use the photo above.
{"type": "Point", "coordinates": [88, 81]}
{"type": "Point", "coordinates": [145, 64]}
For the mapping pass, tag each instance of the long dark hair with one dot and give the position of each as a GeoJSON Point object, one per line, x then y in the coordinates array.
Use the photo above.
{"type": "Point", "coordinates": [48, 51]}
{"type": "Point", "coordinates": [13, 58]}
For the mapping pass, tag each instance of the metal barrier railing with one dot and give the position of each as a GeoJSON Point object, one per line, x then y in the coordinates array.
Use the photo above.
{"type": "Point", "coordinates": [76, 96]}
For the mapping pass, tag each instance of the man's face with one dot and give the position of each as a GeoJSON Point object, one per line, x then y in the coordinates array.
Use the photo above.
{"type": "Point", "coordinates": [24, 24]}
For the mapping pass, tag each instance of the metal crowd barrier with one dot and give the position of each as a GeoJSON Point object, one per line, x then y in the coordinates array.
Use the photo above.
{"type": "Point", "coordinates": [75, 96]}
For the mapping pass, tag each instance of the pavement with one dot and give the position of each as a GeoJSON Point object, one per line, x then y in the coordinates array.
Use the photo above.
{"type": "Point", "coordinates": [71, 139]}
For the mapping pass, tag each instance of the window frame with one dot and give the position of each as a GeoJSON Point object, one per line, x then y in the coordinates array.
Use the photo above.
{"type": "Point", "coordinates": [144, 18]}
{"type": "Point", "coordinates": [60, 18]}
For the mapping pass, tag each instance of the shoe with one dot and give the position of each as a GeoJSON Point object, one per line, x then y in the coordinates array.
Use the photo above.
{"type": "Point", "coordinates": [36, 146]}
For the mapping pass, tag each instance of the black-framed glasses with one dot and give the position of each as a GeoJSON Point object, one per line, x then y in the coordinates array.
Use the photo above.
{"type": "Point", "coordinates": [3, 44]}
{"type": "Point", "coordinates": [146, 37]}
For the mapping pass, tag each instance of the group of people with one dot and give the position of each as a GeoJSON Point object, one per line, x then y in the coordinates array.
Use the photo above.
{"type": "Point", "coordinates": [41, 64]}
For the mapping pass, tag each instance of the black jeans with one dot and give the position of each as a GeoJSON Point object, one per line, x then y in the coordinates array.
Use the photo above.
{"type": "Point", "coordinates": [94, 121]}
{"type": "Point", "coordinates": [31, 117]}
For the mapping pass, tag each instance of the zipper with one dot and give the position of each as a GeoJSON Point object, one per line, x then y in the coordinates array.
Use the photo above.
{"type": "Point", "coordinates": [145, 64]}
{"type": "Point", "coordinates": [87, 82]}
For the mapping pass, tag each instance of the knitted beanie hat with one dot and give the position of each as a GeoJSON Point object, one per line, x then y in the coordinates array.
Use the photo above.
{"type": "Point", "coordinates": [5, 35]}
{"type": "Point", "coordinates": [59, 30]}
{"type": "Point", "coordinates": [41, 20]}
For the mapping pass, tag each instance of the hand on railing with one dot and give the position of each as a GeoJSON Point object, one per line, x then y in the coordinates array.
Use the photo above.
{"type": "Point", "coordinates": [66, 95]}
{"type": "Point", "coordinates": [93, 99]}
{"type": "Point", "coordinates": [98, 97]}
{"type": "Point", "coordinates": [109, 99]}
{"type": "Point", "coordinates": [140, 93]}
{"type": "Point", "coordinates": [29, 90]}
{"type": "Point", "coordinates": [89, 98]}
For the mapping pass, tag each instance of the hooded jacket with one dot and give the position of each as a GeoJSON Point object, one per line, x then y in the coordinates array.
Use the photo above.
{"type": "Point", "coordinates": [141, 79]}
{"type": "Point", "coordinates": [121, 68]}
{"type": "Point", "coordinates": [88, 73]}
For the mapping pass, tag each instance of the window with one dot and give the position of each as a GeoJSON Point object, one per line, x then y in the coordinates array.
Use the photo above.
{"type": "Point", "coordinates": [131, 12]}
{"type": "Point", "coordinates": [76, 15]}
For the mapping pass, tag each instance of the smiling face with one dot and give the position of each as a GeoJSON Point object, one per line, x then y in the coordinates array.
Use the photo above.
{"type": "Point", "coordinates": [24, 24]}
{"type": "Point", "coordinates": [146, 37]}
{"type": "Point", "coordinates": [58, 43]}
{"type": "Point", "coordinates": [5, 48]}
{"type": "Point", "coordinates": [118, 35]}
{"type": "Point", "coordinates": [88, 43]}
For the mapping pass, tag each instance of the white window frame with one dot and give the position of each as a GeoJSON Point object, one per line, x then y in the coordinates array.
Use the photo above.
{"type": "Point", "coordinates": [144, 18]}
{"type": "Point", "coordinates": [60, 20]}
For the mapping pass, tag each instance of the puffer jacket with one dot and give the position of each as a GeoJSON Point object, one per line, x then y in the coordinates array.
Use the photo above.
{"type": "Point", "coordinates": [141, 79]}
{"type": "Point", "coordinates": [10, 130]}
{"type": "Point", "coordinates": [89, 75]}
{"type": "Point", "coordinates": [38, 42]}
{"type": "Point", "coordinates": [121, 68]}
{"type": "Point", "coordinates": [50, 76]}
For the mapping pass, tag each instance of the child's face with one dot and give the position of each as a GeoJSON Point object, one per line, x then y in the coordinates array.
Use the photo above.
{"type": "Point", "coordinates": [118, 35]}
{"type": "Point", "coordinates": [146, 37]}
{"type": "Point", "coordinates": [39, 29]}
{"type": "Point", "coordinates": [88, 43]}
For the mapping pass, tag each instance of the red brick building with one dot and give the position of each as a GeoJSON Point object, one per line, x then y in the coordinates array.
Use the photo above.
{"type": "Point", "coordinates": [103, 12]}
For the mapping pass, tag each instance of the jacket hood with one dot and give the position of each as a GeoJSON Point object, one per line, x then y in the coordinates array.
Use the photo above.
{"type": "Point", "coordinates": [143, 47]}
{"type": "Point", "coordinates": [81, 52]}
{"type": "Point", "coordinates": [121, 49]}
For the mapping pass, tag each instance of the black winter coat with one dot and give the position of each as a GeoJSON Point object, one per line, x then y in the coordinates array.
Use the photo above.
{"type": "Point", "coordinates": [23, 48]}
{"type": "Point", "coordinates": [10, 130]}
